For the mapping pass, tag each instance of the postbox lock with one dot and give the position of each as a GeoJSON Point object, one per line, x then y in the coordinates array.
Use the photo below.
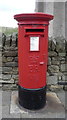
{"type": "Point", "coordinates": [41, 63]}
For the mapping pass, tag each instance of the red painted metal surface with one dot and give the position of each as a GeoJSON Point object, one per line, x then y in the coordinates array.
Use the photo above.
{"type": "Point", "coordinates": [32, 62]}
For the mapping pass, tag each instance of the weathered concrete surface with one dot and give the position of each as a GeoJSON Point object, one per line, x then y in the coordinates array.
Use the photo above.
{"type": "Point", "coordinates": [53, 109]}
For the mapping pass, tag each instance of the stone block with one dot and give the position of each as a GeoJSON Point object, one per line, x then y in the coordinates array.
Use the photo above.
{"type": "Point", "coordinates": [60, 47]}
{"type": "Point", "coordinates": [11, 48]}
{"type": "Point", "coordinates": [10, 53]}
{"type": "Point", "coordinates": [10, 59]}
{"type": "Point", "coordinates": [61, 58]}
{"type": "Point", "coordinates": [59, 78]}
{"type": "Point", "coordinates": [6, 77]}
{"type": "Point", "coordinates": [16, 81]}
{"type": "Point", "coordinates": [16, 59]}
{"type": "Point", "coordinates": [49, 44]}
{"type": "Point", "coordinates": [1, 64]}
{"type": "Point", "coordinates": [0, 76]}
{"type": "Point", "coordinates": [6, 70]}
{"type": "Point", "coordinates": [0, 54]}
{"type": "Point", "coordinates": [62, 54]}
{"type": "Point", "coordinates": [0, 69]}
{"type": "Point", "coordinates": [64, 78]}
{"type": "Point", "coordinates": [0, 61]}
{"type": "Point", "coordinates": [9, 86]}
{"type": "Point", "coordinates": [0, 47]}
{"type": "Point", "coordinates": [8, 40]}
{"type": "Point", "coordinates": [60, 44]}
{"type": "Point", "coordinates": [52, 80]}
{"type": "Point", "coordinates": [15, 70]}
{"type": "Point", "coordinates": [13, 40]}
{"type": "Point", "coordinates": [49, 61]}
{"type": "Point", "coordinates": [52, 53]}
{"type": "Point", "coordinates": [3, 39]}
{"type": "Point", "coordinates": [53, 45]}
{"type": "Point", "coordinates": [15, 77]}
{"type": "Point", "coordinates": [7, 81]}
{"type": "Point", "coordinates": [11, 64]}
{"type": "Point", "coordinates": [56, 88]}
{"type": "Point", "coordinates": [63, 67]}
{"type": "Point", "coordinates": [55, 58]}
{"type": "Point", "coordinates": [0, 85]}
{"type": "Point", "coordinates": [53, 69]}
{"type": "Point", "coordinates": [47, 74]}
{"type": "Point", "coordinates": [14, 43]}
{"type": "Point", "coordinates": [63, 62]}
{"type": "Point", "coordinates": [65, 88]}
{"type": "Point", "coordinates": [4, 59]}
{"type": "Point", "coordinates": [55, 62]}
{"type": "Point", "coordinates": [7, 43]}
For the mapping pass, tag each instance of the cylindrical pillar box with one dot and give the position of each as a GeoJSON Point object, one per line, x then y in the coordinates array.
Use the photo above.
{"type": "Point", "coordinates": [32, 58]}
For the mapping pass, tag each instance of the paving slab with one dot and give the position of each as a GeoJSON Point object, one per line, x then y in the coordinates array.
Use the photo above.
{"type": "Point", "coordinates": [53, 108]}
{"type": "Point", "coordinates": [6, 98]}
{"type": "Point", "coordinates": [0, 112]}
{"type": "Point", "coordinates": [5, 111]}
{"type": "Point", "coordinates": [62, 96]}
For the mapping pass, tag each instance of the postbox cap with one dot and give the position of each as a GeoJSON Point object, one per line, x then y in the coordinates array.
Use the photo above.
{"type": "Point", "coordinates": [33, 17]}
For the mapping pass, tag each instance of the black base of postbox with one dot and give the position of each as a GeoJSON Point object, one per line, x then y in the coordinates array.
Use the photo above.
{"type": "Point", "coordinates": [32, 98]}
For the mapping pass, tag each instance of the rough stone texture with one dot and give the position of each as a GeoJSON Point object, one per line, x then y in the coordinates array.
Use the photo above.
{"type": "Point", "coordinates": [55, 88]}
{"type": "Point", "coordinates": [64, 77]}
{"type": "Point", "coordinates": [15, 70]}
{"type": "Point", "coordinates": [16, 59]}
{"type": "Point", "coordinates": [15, 77]}
{"type": "Point", "coordinates": [9, 86]}
{"type": "Point", "coordinates": [10, 53]}
{"type": "Point", "coordinates": [7, 42]}
{"type": "Point", "coordinates": [57, 64]}
{"type": "Point", "coordinates": [7, 70]}
{"type": "Point", "coordinates": [6, 81]}
{"type": "Point", "coordinates": [49, 61]}
{"type": "Point", "coordinates": [60, 46]}
{"type": "Point", "coordinates": [52, 80]}
{"type": "Point", "coordinates": [63, 67]}
{"type": "Point", "coordinates": [53, 45]}
{"type": "Point", "coordinates": [62, 54]}
{"type": "Point", "coordinates": [52, 53]}
{"type": "Point", "coordinates": [10, 59]}
{"type": "Point", "coordinates": [53, 69]}
{"type": "Point", "coordinates": [4, 59]}
{"type": "Point", "coordinates": [6, 77]}
{"type": "Point", "coordinates": [11, 64]}
{"type": "Point", "coordinates": [49, 44]}
{"type": "Point", "coordinates": [0, 69]}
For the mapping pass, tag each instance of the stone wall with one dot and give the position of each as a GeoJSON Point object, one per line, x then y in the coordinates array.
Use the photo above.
{"type": "Point", "coordinates": [56, 72]}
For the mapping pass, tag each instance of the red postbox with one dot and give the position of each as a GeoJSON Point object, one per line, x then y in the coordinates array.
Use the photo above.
{"type": "Point", "coordinates": [32, 58]}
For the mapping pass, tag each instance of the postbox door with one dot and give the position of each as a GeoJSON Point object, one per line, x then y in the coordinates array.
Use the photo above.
{"type": "Point", "coordinates": [33, 61]}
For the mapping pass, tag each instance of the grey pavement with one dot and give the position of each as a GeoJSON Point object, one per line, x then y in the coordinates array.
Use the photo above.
{"type": "Point", "coordinates": [55, 106]}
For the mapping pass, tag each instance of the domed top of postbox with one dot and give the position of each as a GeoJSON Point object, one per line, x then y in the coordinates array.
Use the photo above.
{"type": "Point", "coordinates": [33, 17]}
